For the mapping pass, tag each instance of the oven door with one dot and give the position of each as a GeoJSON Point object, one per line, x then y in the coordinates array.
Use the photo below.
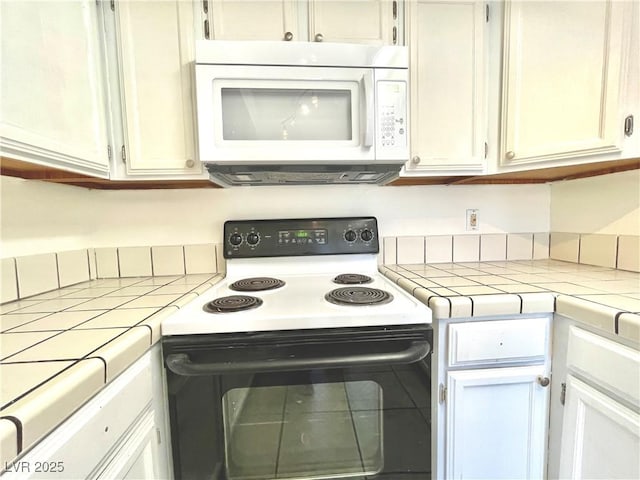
{"type": "Point", "coordinates": [335, 404]}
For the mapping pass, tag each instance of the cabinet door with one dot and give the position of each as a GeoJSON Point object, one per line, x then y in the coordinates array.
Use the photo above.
{"type": "Point", "coordinates": [496, 423]}
{"type": "Point", "coordinates": [600, 437]}
{"type": "Point", "coordinates": [254, 20]}
{"type": "Point", "coordinates": [447, 88]}
{"type": "Point", "coordinates": [564, 73]}
{"type": "Point", "coordinates": [353, 21]}
{"type": "Point", "coordinates": [138, 455]}
{"type": "Point", "coordinates": [52, 89]}
{"type": "Point", "coordinates": [155, 55]}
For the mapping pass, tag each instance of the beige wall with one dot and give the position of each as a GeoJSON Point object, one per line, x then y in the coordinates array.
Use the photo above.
{"type": "Point", "coordinates": [39, 217]}
{"type": "Point", "coordinates": [605, 204]}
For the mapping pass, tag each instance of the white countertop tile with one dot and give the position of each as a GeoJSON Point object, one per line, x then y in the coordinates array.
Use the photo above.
{"type": "Point", "coordinates": [8, 441]}
{"type": "Point", "coordinates": [26, 376]}
{"type": "Point", "coordinates": [64, 394]}
{"type": "Point", "coordinates": [68, 345]}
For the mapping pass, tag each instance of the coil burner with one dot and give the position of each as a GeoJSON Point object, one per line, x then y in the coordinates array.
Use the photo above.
{"type": "Point", "coordinates": [352, 279]}
{"type": "Point", "coordinates": [357, 296]}
{"type": "Point", "coordinates": [232, 303]}
{"type": "Point", "coordinates": [256, 284]}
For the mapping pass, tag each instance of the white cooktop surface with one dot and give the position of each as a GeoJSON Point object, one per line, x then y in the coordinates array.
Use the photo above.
{"type": "Point", "coordinates": [300, 303]}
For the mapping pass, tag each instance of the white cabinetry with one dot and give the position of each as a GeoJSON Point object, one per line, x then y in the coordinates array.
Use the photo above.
{"type": "Point", "coordinates": [491, 398]}
{"type": "Point", "coordinates": [353, 21]}
{"type": "Point", "coordinates": [566, 81]}
{"type": "Point", "coordinates": [254, 20]}
{"type": "Point", "coordinates": [448, 127]}
{"type": "Point", "coordinates": [601, 437]}
{"type": "Point", "coordinates": [600, 426]}
{"type": "Point", "coordinates": [155, 51]}
{"type": "Point", "coordinates": [496, 423]}
{"type": "Point", "coordinates": [122, 432]}
{"type": "Point", "coordinates": [52, 104]}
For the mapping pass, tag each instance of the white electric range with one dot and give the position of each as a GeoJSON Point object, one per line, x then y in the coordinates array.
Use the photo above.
{"type": "Point", "coordinates": [303, 363]}
{"type": "Point", "coordinates": [299, 274]}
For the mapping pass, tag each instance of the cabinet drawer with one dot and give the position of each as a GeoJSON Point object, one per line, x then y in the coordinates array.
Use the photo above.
{"type": "Point", "coordinates": [499, 341]}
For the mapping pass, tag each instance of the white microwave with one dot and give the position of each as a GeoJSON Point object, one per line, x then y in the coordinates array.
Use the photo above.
{"type": "Point", "coordinates": [301, 113]}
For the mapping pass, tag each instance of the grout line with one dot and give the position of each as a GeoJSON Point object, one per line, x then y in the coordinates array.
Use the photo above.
{"type": "Point", "coordinates": [15, 274]}
{"type": "Point", "coordinates": [184, 259]}
{"type": "Point", "coordinates": [88, 264]}
{"type": "Point", "coordinates": [151, 259]}
{"type": "Point", "coordinates": [118, 261]}
{"type": "Point", "coordinates": [19, 434]}
{"type": "Point", "coordinates": [579, 248]}
{"type": "Point", "coordinates": [617, 251]}
{"type": "Point", "coordinates": [57, 270]}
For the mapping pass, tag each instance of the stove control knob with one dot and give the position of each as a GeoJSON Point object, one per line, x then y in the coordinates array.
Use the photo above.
{"type": "Point", "coordinates": [366, 235]}
{"type": "Point", "coordinates": [235, 239]}
{"type": "Point", "coordinates": [253, 238]}
{"type": "Point", "coordinates": [350, 236]}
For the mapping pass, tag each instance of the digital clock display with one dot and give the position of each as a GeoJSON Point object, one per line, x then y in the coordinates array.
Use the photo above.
{"type": "Point", "coordinates": [316, 236]}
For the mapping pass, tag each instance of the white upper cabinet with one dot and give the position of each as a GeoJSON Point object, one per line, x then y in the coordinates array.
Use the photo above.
{"type": "Point", "coordinates": [52, 104]}
{"type": "Point", "coordinates": [565, 80]}
{"type": "Point", "coordinates": [155, 52]}
{"type": "Point", "coordinates": [254, 20]}
{"type": "Point", "coordinates": [351, 21]}
{"type": "Point", "coordinates": [448, 128]}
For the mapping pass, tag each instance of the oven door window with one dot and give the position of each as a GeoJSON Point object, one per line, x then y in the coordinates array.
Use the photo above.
{"type": "Point", "coordinates": [310, 431]}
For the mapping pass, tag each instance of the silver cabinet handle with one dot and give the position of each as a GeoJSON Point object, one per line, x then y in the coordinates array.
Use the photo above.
{"type": "Point", "coordinates": [189, 163]}
{"type": "Point", "coordinates": [319, 37]}
{"type": "Point", "coordinates": [415, 160]}
{"type": "Point", "coordinates": [543, 381]}
{"type": "Point", "coordinates": [288, 36]}
{"type": "Point", "coordinates": [510, 155]}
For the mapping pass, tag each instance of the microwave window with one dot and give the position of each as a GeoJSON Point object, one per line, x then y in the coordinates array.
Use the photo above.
{"type": "Point", "coordinates": [270, 114]}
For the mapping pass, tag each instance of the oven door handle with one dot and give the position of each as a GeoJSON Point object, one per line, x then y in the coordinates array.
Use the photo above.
{"type": "Point", "coordinates": [181, 364]}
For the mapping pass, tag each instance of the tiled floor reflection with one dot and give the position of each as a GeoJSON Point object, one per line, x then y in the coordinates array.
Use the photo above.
{"type": "Point", "coordinates": [364, 426]}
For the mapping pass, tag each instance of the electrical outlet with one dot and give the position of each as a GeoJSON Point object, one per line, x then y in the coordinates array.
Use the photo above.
{"type": "Point", "coordinates": [473, 221]}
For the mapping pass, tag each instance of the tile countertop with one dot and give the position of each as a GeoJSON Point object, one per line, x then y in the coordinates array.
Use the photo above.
{"type": "Point", "coordinates": [58, 349]}
{"type": "Point", "coordinates": [602, 297]}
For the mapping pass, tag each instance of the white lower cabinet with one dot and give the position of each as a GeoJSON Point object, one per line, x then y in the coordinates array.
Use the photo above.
{"type": "Point", "coordinates": [121, 433]}
{"type": "Point", "coordinates": [496, 423]}
{"type": "Point", "coordinates": [490, 385]}
{"type": "Point", "coordinates": [601, 437]}
{"type": "Point", "coordinates": [597, 430]}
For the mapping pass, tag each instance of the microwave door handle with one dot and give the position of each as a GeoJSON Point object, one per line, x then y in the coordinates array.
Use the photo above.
{"type": "Point", "coordinates": [181, 364]}
{"type": "Point", "coordinates": [368, 110]}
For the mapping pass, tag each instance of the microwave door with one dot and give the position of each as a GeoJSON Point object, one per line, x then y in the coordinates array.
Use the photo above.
{"type": "Point", "coordinates": [250, 114]}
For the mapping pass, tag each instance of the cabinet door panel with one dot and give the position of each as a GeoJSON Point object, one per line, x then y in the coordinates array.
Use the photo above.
{"type": "Point", "coordinates": [52, 94]}
{"type": "Point", "coordinates": [447, 87]}
{"type": "Point", "coordinates": [496, 423]}
{"type": "Point", "coordinates": [563, 72]}
{"type": "Point", "coordinates": [352, 21]}
{"type": "Point", "coordinates": [156, 51]}
{"type": "Point", "coordinates": [600, 437]}
{"type": "Point", "coordinates": [254, 20]}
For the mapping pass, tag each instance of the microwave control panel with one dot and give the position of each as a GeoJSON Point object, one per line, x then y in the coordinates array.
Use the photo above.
{"type": "Point", "coordinates": [392, 115]}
